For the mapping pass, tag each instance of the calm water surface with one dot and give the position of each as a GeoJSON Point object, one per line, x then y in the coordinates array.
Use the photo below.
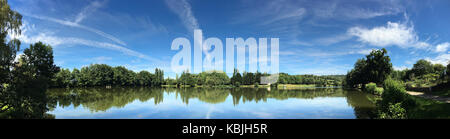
{"type": "Point", "coordinates": [200, 103]}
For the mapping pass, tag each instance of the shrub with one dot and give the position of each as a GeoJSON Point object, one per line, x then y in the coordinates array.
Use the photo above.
{"type": "Point", "coordinates": [395, 111]}
{"type": "Point", "coordinates": [393, 98]}
{"type": "Point", "coordinates": [256, 84]}
{"type": "Point", "coordinates": [237, 84]}
{"type": "Point", "coordinates": [373, 89]}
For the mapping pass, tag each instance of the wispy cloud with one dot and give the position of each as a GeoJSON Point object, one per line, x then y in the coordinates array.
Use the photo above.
{"type": "Point", "coordinates": [92, 7]}
{"type": "Point", "coordinates": [74, 24]}
{"type": "Point", "coordinates": [99, 59]}
{"type": "Point", "coordinates": [49, 38]}
{"type": "Point", "coordinates": [348, 10]}
{"type": "Point", "coordinates": [184, 11]}
{"type": "Point", "coordinates": [323, 54]}
{"type": "Point", "coordinates": [333, 39]}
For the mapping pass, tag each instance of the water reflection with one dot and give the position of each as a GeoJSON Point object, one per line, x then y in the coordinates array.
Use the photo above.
{"type": "Point", "coordinates": [101, 99]}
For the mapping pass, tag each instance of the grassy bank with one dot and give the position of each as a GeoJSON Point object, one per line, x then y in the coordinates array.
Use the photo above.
{"type": "Point", "coordinates": [429, 109]}
{"type": "Point", "coordinates": [444, 93]}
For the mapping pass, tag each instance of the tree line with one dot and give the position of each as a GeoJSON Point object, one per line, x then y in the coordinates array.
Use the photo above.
{"type": "Point", "coordinates": [326, 80]}
{"type": "Point", "coordinates": [105, 75]}
{"type": "Point", "coordinates": [218, 78]}
{"type": "Point", "coordinates": [376, 68]}
{"type": "Point", "coordinates": [207, 78]}
{"type": "Point", "coordinates": [423, 73]}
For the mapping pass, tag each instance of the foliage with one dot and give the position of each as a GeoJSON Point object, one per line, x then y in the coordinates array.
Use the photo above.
{"type": "Point", "coordinates": [400, 75]}
{"type": "Point", "coordinates": [63, 78]}
{"type": "Point", "coordinates": [395, 111]}
{"type": "Point", "coordinates": [376, 67]}
{"type": "Point", "coordinates": [372, 88]}
{"type": "Point", "coordinates": [448, 69]}
{"type": "Point", "coordinates": [421, 68]}
{"type": "Point", "coordinates": [105, 75]}
{"type": "Point", "coordinates": [144, 78]}
{"type": "Point", "coordinates": [236, 79]}
{"type": "Point", "coordinates": [423, 74]}
{"type": "Point", "coordinates": [394, 94]}
{"type": "Point", "coordinates": [326, 80]}
{"type": "Point", "coordinates": [23, 83]}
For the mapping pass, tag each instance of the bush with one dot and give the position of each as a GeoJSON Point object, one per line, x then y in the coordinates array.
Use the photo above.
{"type": "Point", "coordinates": [256, 85]}
{"type": "Point", "coordinates": [237, 84]}
{"type": "Point", "coordinates": [395, 111]}
{"type": "Point", "coordinates": [393, 98]}
{"type": "Point", "coordinates": [373, 89]}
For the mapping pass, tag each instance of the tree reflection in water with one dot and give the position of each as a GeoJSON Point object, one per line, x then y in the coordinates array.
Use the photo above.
{"type": "Point", "coordinates": [101, 99]}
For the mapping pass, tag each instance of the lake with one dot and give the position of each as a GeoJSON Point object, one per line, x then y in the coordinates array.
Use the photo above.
{"type": "Point", "coordinates": [205, 103]}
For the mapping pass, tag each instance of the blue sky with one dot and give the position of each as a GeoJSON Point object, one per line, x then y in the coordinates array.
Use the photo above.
{"type": "Point", "coordinates": [316, 37]}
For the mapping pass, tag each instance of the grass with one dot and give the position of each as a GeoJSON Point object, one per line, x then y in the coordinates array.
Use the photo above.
{"type": "Point", "coordinates": [445, 93]}
{"type": "Point", "coordinates": [429, 109]}
{"type": "Point", "coordinates": [295, 86]}
{"type": "Point", "coordinates": [253, 86]}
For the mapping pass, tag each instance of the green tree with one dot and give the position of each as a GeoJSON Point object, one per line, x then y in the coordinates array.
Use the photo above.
{"type": "Point", "coordinates": [448, 69]}
{"type": "Point", "coordinates": [438, 69]}
{"type": "Point", "coordinates": [75, 77]}
{"type": "Point", "coordinates": [375, 68]}
{"type": "Point", "coordinates": [186, 78]}
{"type": "Point", "coordinates": [422, 67]}
{"type": "Point", "coordinates": [236, 79]}
{"type": "Point", "coordinates": [101, 74]}
{"type": "Point", "coordinates": [258, 76]}
{"type": "Point", "coordinates": [63, 78]}
{"type": "Point", "coordinates": [144, 78]}
{"type": "Point", "coordinates": [159, 77]}
{"type": "Point", "coordinates": [379, 66]}
{"type": "Point", "coordinates": [40, 57]}
{"type": "Point", "coordinates": [120, 76]}
{"type": "Point", "coordinates": [31, 78]}
{"type": "Point", "coordinates": [85, 78]}
{"type": "Point", "coordinates": [248, 78]}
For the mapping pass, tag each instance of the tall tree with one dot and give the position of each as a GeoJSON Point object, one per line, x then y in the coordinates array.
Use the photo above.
{"type": "Point", "coordinates": [422, 67]}
{"type": "Point", "coordinates": [448, 70]}
{"type": "Point", "coordinates": [375, 68]}
{"type": "Point", "coordinates": [236, 79]}
{"type": "Point", "coordinates": [379, 66]}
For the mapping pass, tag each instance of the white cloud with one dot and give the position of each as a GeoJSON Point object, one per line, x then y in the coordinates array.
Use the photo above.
{"type": "Point", "coordinates": [76, 25]}
{"type": "Point", "coordinates": [52, 40]}
{"type": "Point", "coordinates": [443, 47]}
{"type": "Point", "coordinates": [362, 51]}
{"type": "Point", "coordinates": [443, 59]}
{"type": "Point", "coordinates": [99, 60]}
{"type": "Point", "coordinates": [399, 34]}
{"type": "Point", "coordinates": [341, 9]}
{"type": "Point", "coordinates": [400, 67]}
{"type": "Point", "coordinates": [334, 39]}
{"type": "Point", "coordinates": [184, 11]}
{"type": "Point", "coordinates": [92, 7]}
{"type": "Point", "coordinates": [321, 53]}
